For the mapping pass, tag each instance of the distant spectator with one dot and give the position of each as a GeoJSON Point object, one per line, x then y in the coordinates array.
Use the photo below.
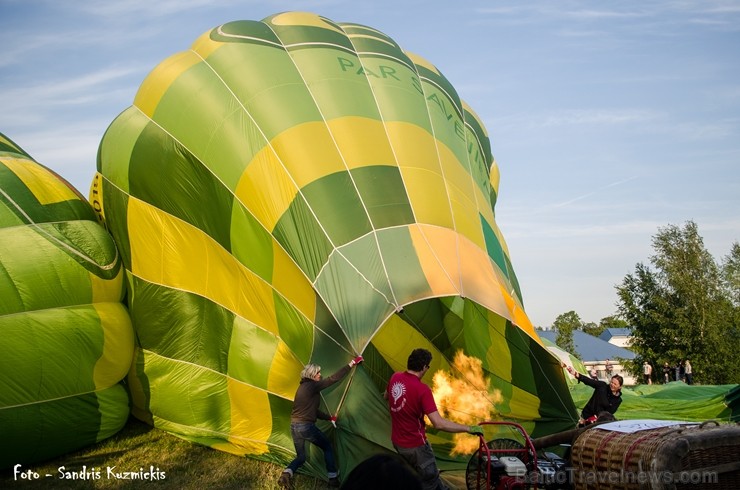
{"type": "Point", "coordinates": [594, 374]}
{"type": "Point", "coordinates": [682, 371]}
{"type": "Point", "coordinates": [647, 372]}
{"type": "Point", "coordinates": [666, 372]}
{"type": "Point", "coordinates": [688, 372]}
{"type": "Point", "coordinates": [679, 375]}
{"type": "Point", "coordinates": [608, 369]}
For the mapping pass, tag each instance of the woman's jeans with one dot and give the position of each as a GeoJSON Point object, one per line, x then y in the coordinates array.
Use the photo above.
{"type": "Point", "coordinates": [307, 432]}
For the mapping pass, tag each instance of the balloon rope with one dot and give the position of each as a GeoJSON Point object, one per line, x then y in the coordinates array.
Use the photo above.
{"type": "Point", "coordinates": [346, 390]}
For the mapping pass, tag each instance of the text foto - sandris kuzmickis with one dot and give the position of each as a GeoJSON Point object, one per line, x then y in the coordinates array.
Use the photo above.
{"type": "Point", "coordinates": [108, 473]}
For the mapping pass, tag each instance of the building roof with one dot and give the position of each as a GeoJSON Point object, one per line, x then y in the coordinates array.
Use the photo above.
{"type": "Point", "coordinates": [591, 348]}
{"type": "Point", "coordinates": [615, 332]}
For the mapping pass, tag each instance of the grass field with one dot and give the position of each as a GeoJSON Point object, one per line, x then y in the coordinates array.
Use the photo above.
{"type": "Point", "coordinates": [138, 446]}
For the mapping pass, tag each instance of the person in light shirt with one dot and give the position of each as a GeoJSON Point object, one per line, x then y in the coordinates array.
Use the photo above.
{"type": "Point", "coordinates": [688, 373]}
{"type": "Point", "coordinates": [647, 373]}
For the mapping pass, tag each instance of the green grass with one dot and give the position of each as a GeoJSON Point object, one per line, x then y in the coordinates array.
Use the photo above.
{"type": "Point", "coordinates": [138, 445]}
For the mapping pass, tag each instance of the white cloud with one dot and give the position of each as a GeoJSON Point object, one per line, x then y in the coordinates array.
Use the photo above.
{"type": "Point", "coordinates": [580, 33]}
{"type": "Point", "coordinates": [572, 117]}
{"type": "Point", "coordinates": [647, 18]}
{"type": "Point", "coordinates": [33, 102]}
{"type": "Point", "coordinates": [588, 14]}
{"type": "Point", "coordinates": [533, 229]}
{"type": "Point", "coordinates": [592, 193]}
{"type": "Point", "coordinates": [164, 8]}
{"type": "Point", "coordinates": [60, 90]}
{"type": "Point", "coordinates": [15, 52]}
{"type": "Point", "coordinates": [70, 150]}
{"type": "Point", "coordinates": [597, 116]}
{"type": "Point", "coordinates": [115, 10]}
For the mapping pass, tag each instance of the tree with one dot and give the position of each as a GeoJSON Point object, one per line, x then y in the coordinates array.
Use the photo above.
{"type": "Point", "coordinates": [680, 310]}
{"type": "Point", "coordinates": [565, 324]}
{"type": "Point", "coordinates": [643, 306]}
{"type": "Point", "coordinates": [731, 283]}
{"type": "Point", "coordinates": [612, 322]}
{"type": "Point", "coordinates": [592, 329]}
{"type": "Point", "coordinates": [731, 274]}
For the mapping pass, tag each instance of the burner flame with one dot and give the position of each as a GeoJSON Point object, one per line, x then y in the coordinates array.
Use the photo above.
{"type": "Point", "coordinates": [466, 397]}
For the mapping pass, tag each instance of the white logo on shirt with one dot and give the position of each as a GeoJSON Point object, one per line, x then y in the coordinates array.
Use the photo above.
{"type": "Point", "coordinates": [397, 391]}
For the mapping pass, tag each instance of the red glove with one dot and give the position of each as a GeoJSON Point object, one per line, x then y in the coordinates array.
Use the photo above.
{"type": "Point", "coordinates": [356, 361]}
{"type": "Point", "coordinates": [333, 420]}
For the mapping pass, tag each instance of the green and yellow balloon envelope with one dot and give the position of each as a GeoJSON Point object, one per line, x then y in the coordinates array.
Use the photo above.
{"type": "Point", "coordinates": [297, 190]}
{"type": "Point", "coordinates": [67, 340]}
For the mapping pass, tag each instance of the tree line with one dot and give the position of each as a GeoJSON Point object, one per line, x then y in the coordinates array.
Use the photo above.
{"type": "Point", "coordinates": [682, 304]}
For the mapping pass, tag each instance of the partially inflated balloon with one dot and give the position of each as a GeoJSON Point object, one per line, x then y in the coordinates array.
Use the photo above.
{"type": "Point", "coordinates": [67, 339]}
{"type": "Point", "coordinates": [296, 190]}
{"type": "Point", "coordinates": [566, 359]}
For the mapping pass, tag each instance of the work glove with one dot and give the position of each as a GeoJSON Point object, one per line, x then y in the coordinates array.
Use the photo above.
{"type": "Point", "coordinates": [475, 430]}
{"type": "Point", "coordinates": [356, 361]}
{"type": "Point", "coordinates": [333, 420]}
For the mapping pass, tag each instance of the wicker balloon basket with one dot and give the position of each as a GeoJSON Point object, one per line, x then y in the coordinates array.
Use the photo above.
{"type": "Point", "coordinates": [677, 457]}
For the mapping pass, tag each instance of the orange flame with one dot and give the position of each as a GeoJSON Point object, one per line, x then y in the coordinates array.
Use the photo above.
{"type": "Point", "coordinates": [465, 396]}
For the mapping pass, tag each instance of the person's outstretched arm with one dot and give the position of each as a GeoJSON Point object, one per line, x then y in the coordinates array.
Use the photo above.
{"type": "Point", "coordinates": [326, 382]}
{"type": "Point", "coordinates": [441, 423]}
{"type": "Point", "coordinates": [587, 380]}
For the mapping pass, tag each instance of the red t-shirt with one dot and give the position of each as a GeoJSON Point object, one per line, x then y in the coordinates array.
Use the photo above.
{"type": "Point", "coordinates": [409, 400]}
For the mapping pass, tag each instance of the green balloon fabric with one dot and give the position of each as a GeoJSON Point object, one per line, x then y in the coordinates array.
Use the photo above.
{"type": "Point", "coordinates": [296, 190]}
{"type": "Point", "coordinates": [67, 340]}
{"type": "Point", "coordinates": [566, 359]}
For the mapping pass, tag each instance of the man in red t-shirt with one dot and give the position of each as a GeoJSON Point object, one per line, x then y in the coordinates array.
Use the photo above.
{"type": "Point", "coordinates": [409, 400]}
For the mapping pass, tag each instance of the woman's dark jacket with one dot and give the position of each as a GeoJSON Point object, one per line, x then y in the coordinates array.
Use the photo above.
{"type": "Point", "coordinates": [602, 400]}
{"type": "Point", "coordinates": [307, 397]}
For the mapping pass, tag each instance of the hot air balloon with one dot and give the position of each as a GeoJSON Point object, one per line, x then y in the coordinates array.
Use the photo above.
{"type": "Point", "coordinates": [566, 359]}
{"type": "Point", "coordinates": [296, 190]}
{"type": "Point", "coordinates": [67, 340]}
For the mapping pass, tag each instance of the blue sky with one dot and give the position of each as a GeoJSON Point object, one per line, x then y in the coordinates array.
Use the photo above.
{"type": "Point", "coordinates": [608, 119]}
